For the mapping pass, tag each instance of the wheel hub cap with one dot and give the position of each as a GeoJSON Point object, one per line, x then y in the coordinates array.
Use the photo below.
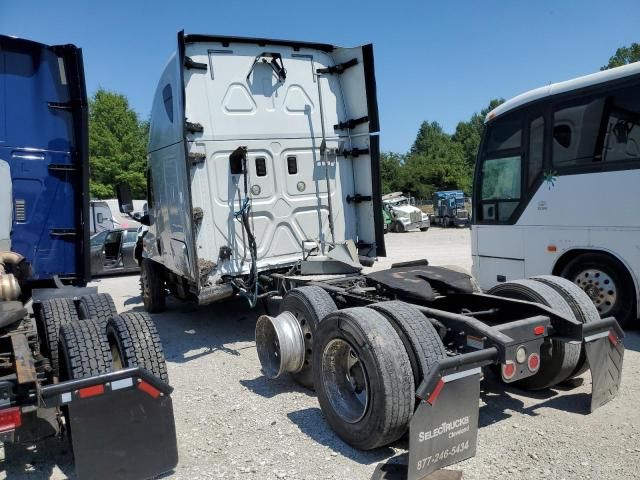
{"type": "Point", "coordinates": [600, 287]}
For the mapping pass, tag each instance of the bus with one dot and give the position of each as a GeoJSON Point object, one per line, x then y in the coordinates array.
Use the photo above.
{"type": "Point", "coordinates": [557, 189]}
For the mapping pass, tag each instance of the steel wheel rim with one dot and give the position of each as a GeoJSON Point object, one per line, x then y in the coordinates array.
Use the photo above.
{"type": "Point", "coordinates": [306, 334]}
{"type": "Point", "coordinates": [345, 381]}
{"type": "Point", "coordinates": [600, 288]}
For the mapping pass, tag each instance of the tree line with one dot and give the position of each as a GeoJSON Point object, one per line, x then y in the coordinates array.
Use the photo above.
{"type": "Point", "coordinates": [436, 161]}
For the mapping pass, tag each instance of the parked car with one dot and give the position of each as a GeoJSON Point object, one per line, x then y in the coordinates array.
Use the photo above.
{"type": "Point", "coordinates": [112, 251]}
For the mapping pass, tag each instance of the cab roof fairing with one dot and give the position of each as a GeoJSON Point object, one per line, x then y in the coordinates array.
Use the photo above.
{"type": "Point", "coordinates": [563, 87]}
{"type": "Point", "coordinates": [166, 129]}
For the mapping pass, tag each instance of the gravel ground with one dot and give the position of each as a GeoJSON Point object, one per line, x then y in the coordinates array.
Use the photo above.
{"type": "Point", "coordinates": [234, 423]}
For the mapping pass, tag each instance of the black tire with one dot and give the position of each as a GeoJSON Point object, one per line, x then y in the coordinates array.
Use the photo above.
{"type": "Point", "coordinates": [419, 337]}
{"type": "Point", "coordinates": [424, 229]}
{"type": "Point", "coordinates": [134, 342]}
{"type": "Point", "coordinates": [83, 350]}
{"type": "Point", "coordinates": [309, 305]}
{"type": "Point", "coordinates": [558, 360]}
{"type": "Point", "coordinates": [390, 390]}
{"type": "Point", "coordinates": [624, 309]}
{"type": "Point", "coordinates": [152, 286]}
{"type": "Point", "coordinates": [98, 306]}
{"type": "Point", "coordinates": [50, 316]}
{"type": "Point", "coordinates": [581, 305]}
{"type": "Point", "coordinates": [398, 227]}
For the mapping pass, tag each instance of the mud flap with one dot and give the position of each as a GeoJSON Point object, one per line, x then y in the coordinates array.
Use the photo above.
{"type": "Point", "coordinates": [605, 354]}
{"type": "Point", "coordinates": [444, 428]}
{"type": "Point", "coordinates": [121, 425]}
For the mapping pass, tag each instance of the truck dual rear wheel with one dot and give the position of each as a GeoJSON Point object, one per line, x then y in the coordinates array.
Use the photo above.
{"type": "Point", "coordinates": [607, 283]}
{"type": "Point", "coordinates": [558, 360]}
{"type": "Point", "coordinates": [83, 350]}
{"type": "Point", "coordinates": [98, 306]}
{"type": "Point", "coordinates": [134, 342]}
{"type": "Point", "coordinates": [419, 337]}
{"type": "Point", "coordinates": [152, 286]}
{"type": "Point", "coordinates": [581, 305]}
{"type": "Point", "coordinates": [309, 305]}
{"type": "Point", "coordinates": [50, 315]}
{"type": "Point", "coordinates": [363, 376]}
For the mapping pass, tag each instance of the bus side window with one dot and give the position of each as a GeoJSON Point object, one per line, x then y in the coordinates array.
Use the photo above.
{"type": "Point", "coordinates": [621, 135]}
{"type": "Point", "coordinates": [575, 132]}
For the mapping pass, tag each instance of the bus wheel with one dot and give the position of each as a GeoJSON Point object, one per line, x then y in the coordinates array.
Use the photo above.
{"type": "Point", "coordinates": [607, 283]}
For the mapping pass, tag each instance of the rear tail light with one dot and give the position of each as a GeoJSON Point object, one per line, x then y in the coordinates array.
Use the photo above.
{"type": "Point", "coordinates": [533, 362]}
{"type": "Point", "coordinates": [539, 330]}
{"type": "Point", "coordinates": [10, 419]}
{"type": "Point", "coordinates": [91, 391]}
{"type": "Point", "coordinates": [508, 370]}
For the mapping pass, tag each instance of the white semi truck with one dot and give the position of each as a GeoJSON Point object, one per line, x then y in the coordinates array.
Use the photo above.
{"type": "Point", "coordinates": [263, 180]}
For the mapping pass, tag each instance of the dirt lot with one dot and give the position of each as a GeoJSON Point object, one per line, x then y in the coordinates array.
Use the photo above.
{"type": "Point", "coordinates": [233, 423]}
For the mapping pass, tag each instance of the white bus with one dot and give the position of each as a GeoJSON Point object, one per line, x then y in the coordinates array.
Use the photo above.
{"type": "Point", "coordinates": [557, 189]}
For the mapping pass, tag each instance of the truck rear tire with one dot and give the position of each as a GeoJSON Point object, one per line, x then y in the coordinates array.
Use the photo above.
{"type": "Point", "coordinates": [419, 337]}
{"type": "Point", "coordinates": [309, 305]}
{"type": "Point", "coordinates": [97, 306]}
{"type": "Point", "coordinates": [134, 342]}
{"type": "Point", "coordinates": [364, 380]}
{"type": "Point", "coordinates": [152, 286]}
{"type": "Point", "coordinates": [50, 315]}
{"type": "Point", "coordinates": [558, 360]}
{"type": "Point", "coordinates": [424, 229]}
{"type": "Point", "coordinates": [83, 350]}
{"type": "Point", "coordinates": [581, 305]}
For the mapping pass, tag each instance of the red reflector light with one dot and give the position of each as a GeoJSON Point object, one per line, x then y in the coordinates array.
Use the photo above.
{"type": "Point", "coordinates": [149, 389]}
{"type": "Point", "coordinates": [508, 370]}
{"type": "Point", "coordinates": [534, 362]}
{"type": "Point", "coordinates": [436, 392]}
{"type": "Point", "coordinates": [10, 419]}
{"type": "Point", "coordinates": [91, 391]}
{"type": "Point", "coordinates": [613, 338]}
{"type": "Point", "coordinates": [552, 248]}
{"type": "Point", "coordinates": [539, 330]}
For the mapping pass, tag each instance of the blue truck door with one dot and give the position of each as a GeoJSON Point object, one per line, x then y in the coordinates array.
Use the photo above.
{"type": "Point", "coordinates": [43, 137]}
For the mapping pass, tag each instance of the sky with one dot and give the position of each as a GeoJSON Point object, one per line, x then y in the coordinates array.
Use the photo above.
{"type": "Point", "coordinates": [435, 60]}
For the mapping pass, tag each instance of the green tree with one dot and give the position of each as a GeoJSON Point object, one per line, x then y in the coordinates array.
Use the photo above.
{"type": "Point", "coordinates": [468, 134]}
{"type": "Point", "coordinates": [624, 56]}
{"type": "Point", "coordinates": [117, 145]}
{"type": "Point", "coordinates": [391, 165]}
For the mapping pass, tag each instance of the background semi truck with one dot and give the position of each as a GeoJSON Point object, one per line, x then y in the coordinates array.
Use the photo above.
{"type": "Point", "coordinates": [68, 362]}
{"type": "Point", "coordinates": [263, 181]}
{"type": "Point", "coordinates": [449, 209]}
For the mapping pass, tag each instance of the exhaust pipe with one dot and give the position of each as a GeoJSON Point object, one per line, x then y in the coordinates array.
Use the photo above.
{"type": "Point", "coordinates": [9, 258]}
{"type": "Point", "coordinates": [9, 286]}
{"type": "Point", "coordinates": [280, 344]}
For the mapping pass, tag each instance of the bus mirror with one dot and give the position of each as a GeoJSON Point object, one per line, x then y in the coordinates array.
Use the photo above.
{"type": "Point", "coordinates": [144, 220]}
{"type": "Point", "coordinates": [125, 200]}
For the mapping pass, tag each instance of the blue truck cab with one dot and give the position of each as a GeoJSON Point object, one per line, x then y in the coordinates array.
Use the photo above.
{"type": "Point", "coordinates": [44, 142]}
{"type": "Point", "coordinates": [449, 209]}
